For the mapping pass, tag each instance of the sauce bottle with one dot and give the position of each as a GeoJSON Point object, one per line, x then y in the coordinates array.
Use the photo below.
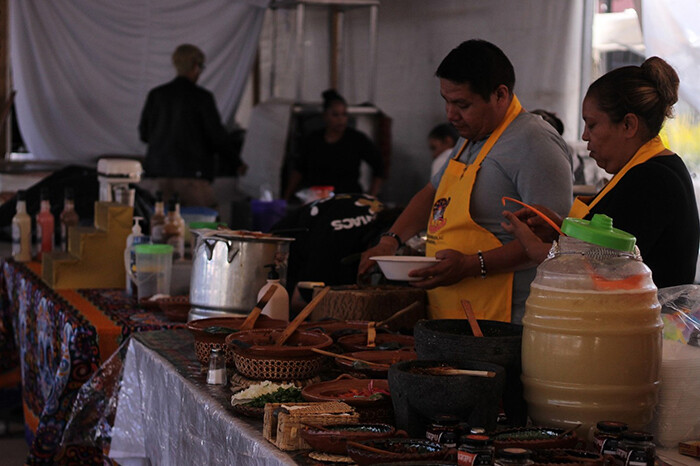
{"type": "Point", "coordinates": [22, 230]}
{"type": "Point", "coordinates": [69, 217]}
{"type": "Point", "coordinates": [174, 230]}
{"type": "Point", "coordinates": [44, 225]}
{"type": "Point", "coordinates": [158, 220]}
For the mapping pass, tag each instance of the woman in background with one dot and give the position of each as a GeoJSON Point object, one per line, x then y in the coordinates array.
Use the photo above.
{"type": "Point", "coordinates": [651, 194]}
{"type": "Point", "coordinates": [332, 155]}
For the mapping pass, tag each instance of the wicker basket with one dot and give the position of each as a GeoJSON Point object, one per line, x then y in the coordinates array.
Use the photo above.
{"type": "Point", "coordinates": [280, 369]}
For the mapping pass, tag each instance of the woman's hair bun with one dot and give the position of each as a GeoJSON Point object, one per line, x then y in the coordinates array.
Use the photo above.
{"type": "Point", "coordinates": [664, 77]}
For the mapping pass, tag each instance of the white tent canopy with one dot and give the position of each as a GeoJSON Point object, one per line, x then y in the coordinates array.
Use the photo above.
{"type": "Point", "coordinates": [82, 68]}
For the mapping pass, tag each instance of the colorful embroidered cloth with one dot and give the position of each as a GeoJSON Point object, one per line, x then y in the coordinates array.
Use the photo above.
{"type": "Point", "coordinates": [62, 337]}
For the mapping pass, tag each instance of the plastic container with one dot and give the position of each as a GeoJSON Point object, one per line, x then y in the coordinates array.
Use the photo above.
{"type": "Point", "coordinates": [278, 306]}
{"type": "Point", "coordinates": [134, 238]}
{"type": "Point", "coordinates": [153, 272]}
{"type": "Point", "coordinates": [45, 224]}
{"type": "Point", "coordinates": [591, 345]}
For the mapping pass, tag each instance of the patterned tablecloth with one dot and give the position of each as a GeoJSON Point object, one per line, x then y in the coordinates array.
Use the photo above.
{"type": "Point", "coordinates": [60, 337]}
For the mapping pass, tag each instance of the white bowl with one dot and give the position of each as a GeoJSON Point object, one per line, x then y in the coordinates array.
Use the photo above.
{"type": "Point", "coordinates": [397, 267]}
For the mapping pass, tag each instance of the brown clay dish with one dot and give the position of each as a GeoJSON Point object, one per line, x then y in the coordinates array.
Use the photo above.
{"type": "Point", "coordinates": [383, 341]}
{"type": "Point", "coordinates": [387, 357]}
{"type": "Point", "coordinates": [175, 308]}
{"type": "Point", "coordinates": [256, 356]}
{"type": "Point", "coordinates": [333, 390]}
{"type": "Point", "coordinates": [534, 438]}
{"type": "Point", "coordinates": [332, 439]}
{"type": "Point", "coordinates": [404, 449]}
{"type": "Point", "coordinates": [261, 343]}
{"type": "Point", "coordinates": [336, 327]}
{"type": "Point", "coordinates": [205, 340]}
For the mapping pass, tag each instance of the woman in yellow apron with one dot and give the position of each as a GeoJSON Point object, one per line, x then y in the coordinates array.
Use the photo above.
{"type": "Point", "coordinates": [651, 194]}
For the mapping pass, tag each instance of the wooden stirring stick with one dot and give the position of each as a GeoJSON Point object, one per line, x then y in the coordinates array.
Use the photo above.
{"type": "Point", "coordinates": [349, 358]}
{"type": "Point", "coordinates": [399, 313]}
{"type": "Point", "coordinates": [372, 449]}
{"type": "Point", "coordinates": [302, 315]}
{"type": "Point", "coordinates": [453, 371]}
{"type": "Point", "coordinates": [476, 330]}
{"type": "Point", "coordinates": [249, 322]}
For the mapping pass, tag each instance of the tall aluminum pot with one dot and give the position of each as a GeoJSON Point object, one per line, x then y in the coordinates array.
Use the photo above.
{"type": "Point", "coordinates": [228, 270]}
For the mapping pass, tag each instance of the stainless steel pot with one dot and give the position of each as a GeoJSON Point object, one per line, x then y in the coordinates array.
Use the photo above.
{"type": "Point", "coordinates": [228, 271]}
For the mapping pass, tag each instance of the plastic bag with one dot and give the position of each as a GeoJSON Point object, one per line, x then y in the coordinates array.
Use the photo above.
{"type": "Point", "coordinates": [680, 311]}
{"type": "Point", "coordinates": [677, 413]}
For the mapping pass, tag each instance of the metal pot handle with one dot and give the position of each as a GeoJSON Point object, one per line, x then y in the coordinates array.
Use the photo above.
{"type": "Point", "coordinates": [232, 251]}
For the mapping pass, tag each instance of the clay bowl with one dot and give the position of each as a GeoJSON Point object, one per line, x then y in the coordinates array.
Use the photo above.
{"type": "Point", "coordinates": [337, 328]}
{"type": "Point", "coordinates": [568, 456]}
{"type": "Point", "coordinates": [175, 308]}
{"type": "Point", "coordinates": [211, 333]}
{"type": "Point", "coordinates": [332, 439]}
{"type": "Point", "coordinates": [383, 341]}
{"type": "Point", "coordinates": [403, 450]}
{"type": "Point", "coordinates": [256, 357]}
{"type": "Point", "coordinates": [387, 357]}
{"type": "Point", "coordinates": [534, 438]}
{"type": "Point", "coordinates": [377, 409]}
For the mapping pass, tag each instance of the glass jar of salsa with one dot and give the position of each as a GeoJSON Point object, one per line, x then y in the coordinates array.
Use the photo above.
{"type": "Point", "coordinates": [444, 430]}
{"type": "Point", "coordinates": [514, 457]}
{"type": "Point", "coordinates": [636, 448]}
{"type": "Point", "coordinates": [606, 437]}
{"type": "Point", "coordinates": [475, 450]}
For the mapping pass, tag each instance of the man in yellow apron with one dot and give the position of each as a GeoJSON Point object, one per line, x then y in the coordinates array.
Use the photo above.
{"type": "Point", "coordinates": [503, 151]}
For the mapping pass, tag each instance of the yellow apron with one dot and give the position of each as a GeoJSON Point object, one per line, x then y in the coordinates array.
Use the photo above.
{"type": "Point", "coordinates": [583, 204]}
{"type": "Point", "coordinates": [451, 227]}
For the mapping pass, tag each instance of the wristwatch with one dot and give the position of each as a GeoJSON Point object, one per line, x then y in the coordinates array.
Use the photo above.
{"type": "Point", "coordinates": [391, 234]}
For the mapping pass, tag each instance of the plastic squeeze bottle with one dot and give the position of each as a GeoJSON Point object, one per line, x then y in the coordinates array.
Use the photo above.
{"type": "Point", "coordinates": [45, 223]}
{"type": "Point", "coordinates": [22, 230]}
{"type": "Point", "coordinates": [278, 306]}
{"type": "Point", "coordinates": [158, 220]}
{"type": "Point", "coordinates": [135, 237]}
{"type": "Point", "coordinates": [69, 217]}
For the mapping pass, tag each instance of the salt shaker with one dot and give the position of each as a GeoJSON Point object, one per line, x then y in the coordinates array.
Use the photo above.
{"type": "Point", "coordinates": [216, 375]}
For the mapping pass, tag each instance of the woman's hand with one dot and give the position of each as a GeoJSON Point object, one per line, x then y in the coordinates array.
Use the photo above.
{"type": "Point", "coordinates": [535, 248]}
{"type": "Point", "coordinates": [537, 224]}
{"type": "Point", "coordinates": [452, 268]}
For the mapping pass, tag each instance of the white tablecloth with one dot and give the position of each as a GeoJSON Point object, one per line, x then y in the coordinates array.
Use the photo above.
{"type": "Point", "coordinates": [166, 418]}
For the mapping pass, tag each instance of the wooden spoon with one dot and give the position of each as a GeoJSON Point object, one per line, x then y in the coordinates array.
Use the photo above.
{"type": "Point", "coordinates": [453, 371]}
{"type": "Point", "coordinates": [249, 322]}
{"type": "Point", "coordinates": [291, 328]}
{"type": "Point", "coordinates": [372, 449]}
{"type": "Point", "coordinates": [399, 313]}
{"type": "Point", "coordinates": [473, 323]}
{"type": "Point", "coordinates": [349, 358]}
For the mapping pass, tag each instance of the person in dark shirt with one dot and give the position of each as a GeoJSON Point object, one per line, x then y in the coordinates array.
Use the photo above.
{"type": "Point", "coordinates": [183, 130]}
{"type": "Point", "coordinates": [332, 156]}
{"type": "Point", "coordinates": [651, 194]}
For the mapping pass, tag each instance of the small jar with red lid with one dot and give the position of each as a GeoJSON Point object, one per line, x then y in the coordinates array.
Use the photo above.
{"type": "Point", "coordinates": [513, 457]}
{"type": "Point", "coordinates": [475, 450]}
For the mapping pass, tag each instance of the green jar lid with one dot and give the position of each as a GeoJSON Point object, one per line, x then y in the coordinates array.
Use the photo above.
{"type": "Point", "coordinates": [153, 249]}
{"type": "Point", "coordinates": [209, 225]}
{"type": "Point", "coordinates": [599, 231]}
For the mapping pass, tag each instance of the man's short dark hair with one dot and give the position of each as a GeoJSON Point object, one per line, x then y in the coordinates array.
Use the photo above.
{"type": "Point", "coordinates": [480, 64]}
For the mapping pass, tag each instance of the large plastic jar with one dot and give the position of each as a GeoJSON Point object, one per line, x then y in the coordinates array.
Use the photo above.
{"type": "Point", "coordinates": [592, 331]}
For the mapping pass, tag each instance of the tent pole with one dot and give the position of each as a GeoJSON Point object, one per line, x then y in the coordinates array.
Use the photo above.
{"type": "Point", "coordinates": [373, 15]}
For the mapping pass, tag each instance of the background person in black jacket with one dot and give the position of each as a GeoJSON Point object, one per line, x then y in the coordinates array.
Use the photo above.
{"type": "Point", "coordinates": [183, 130]}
